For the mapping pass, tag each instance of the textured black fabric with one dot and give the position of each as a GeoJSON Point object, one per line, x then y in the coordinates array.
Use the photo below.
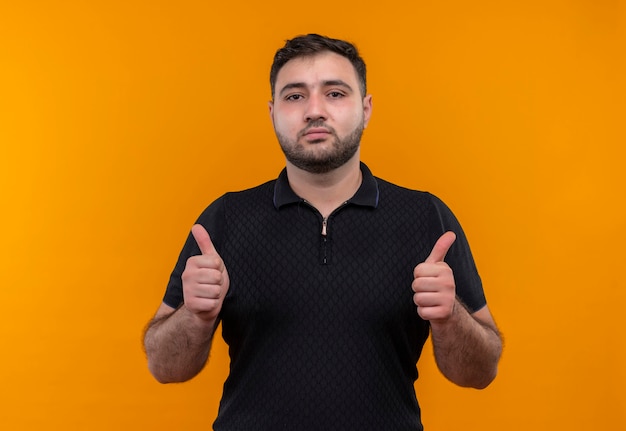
{"type": "Point", "coordinates": [322, 330]}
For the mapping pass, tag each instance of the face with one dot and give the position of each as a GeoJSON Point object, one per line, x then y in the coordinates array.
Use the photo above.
{"type": "Point", "coordinates": [318, 112]}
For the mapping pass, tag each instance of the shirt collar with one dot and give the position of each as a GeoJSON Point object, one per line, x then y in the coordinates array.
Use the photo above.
{"type": "Point", "coordinates": [366, 195]}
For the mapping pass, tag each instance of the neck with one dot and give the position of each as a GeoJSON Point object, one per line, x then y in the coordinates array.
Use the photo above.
{"type": "Point", "coordinates": [326, 192]}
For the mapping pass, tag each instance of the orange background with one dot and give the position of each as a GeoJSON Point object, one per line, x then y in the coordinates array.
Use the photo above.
{"type": "Point", "coordinates": [120, 121]}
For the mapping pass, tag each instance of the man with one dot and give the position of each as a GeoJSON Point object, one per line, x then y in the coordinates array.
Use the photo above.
{"type": "Point", "coordinates": [327, 281]}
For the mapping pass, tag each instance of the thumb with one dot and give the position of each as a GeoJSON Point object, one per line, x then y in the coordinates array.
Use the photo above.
{"type": "Point", "coordinates": [443, 244]}
{"type": "Point", "coordinates": [203, 239]}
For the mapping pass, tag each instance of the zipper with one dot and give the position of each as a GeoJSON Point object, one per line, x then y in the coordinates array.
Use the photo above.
{"type": "Point", "coordinates": [324, 232]}
{"type": "Point", "coordinates": [324, 241]}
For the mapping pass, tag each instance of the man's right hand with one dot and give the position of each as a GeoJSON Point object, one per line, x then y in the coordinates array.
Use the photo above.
{"type": "Point", "coordinates": [205, 278]}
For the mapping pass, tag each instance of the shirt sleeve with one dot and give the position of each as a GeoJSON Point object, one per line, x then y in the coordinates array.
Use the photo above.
{"type": "Point", "coordinates": [211, 219]}
{"type": "Point", "coordinates": [469, 287]}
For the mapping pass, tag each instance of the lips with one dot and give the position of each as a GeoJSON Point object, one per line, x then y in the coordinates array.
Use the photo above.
{"type": "Point", "coordinates": [316, 130]}
{"type": "Point", "coordinates": [316, 133]}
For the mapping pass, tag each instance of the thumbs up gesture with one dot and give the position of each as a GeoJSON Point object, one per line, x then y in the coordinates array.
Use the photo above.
{"type": "Point", "coordinates": [433, 283]}
{"type": "Point", "coordinates": [205, 278]}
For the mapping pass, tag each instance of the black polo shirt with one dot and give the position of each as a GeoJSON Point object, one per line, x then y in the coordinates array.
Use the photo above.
{"type": "Point", "coordinates": [322, 330]}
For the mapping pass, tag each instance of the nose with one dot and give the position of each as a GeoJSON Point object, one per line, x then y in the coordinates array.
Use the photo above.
{"type": "Point", "coordinates": [315, 108]}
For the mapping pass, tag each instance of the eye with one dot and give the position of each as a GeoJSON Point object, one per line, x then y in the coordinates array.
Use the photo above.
{"type": "Point", "coordinates": [335, 94]}
{"type": "Point", "coordinates": [293, 97]}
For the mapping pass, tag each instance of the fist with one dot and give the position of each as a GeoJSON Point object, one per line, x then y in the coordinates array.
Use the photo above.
{"type": "Point", "coordinates": [433, 283]}
{"type": "Point", "coordinates": [205, 278]}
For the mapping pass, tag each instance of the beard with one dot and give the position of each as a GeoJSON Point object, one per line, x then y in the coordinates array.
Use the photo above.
{"type": "Point", "coordinates": [316, 161]}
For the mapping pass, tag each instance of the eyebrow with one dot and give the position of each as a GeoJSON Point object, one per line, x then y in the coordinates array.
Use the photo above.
{"type": "Point", "coordinates": [327, 83]}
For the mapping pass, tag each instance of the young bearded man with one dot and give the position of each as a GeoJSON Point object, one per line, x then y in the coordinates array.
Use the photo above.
{"type": "Point", "coordinates": [327, 281]}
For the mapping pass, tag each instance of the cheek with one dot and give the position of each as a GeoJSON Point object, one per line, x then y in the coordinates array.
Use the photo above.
{"type": "Point", "coordinates": [351, 120]}
{"type": "Point", "coordinates": [286, 122]}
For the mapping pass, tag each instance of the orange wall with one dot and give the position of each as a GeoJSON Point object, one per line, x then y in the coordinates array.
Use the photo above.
{"type": "Point", "coordinates": [120, 121]}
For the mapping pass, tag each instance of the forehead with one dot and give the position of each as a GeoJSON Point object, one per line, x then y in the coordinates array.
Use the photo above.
{"type": "Point", "coordinates": [317, 68]}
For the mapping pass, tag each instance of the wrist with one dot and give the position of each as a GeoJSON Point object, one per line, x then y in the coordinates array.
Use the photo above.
{"type": "Point", "coordinates": [201, 321]}
{"type": "Point", "coordinates": [452, 318]}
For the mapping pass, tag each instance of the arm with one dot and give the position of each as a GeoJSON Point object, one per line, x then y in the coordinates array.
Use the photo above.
{"type": "Point", "coordinates": [178, 341]}
{"type": "Point", "coordinates": [467, 346]}
{"type": "Point", "coordinates": [177, 344]}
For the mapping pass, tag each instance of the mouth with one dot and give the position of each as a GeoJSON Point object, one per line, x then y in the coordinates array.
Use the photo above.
{"type": "Point", "coordinates": [317, 133]}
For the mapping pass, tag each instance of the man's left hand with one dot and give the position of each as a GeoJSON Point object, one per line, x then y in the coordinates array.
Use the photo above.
{"type": "Point", "coordinates": [434, 287]}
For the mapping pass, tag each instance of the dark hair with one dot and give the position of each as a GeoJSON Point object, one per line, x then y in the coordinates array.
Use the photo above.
{"type": "Point", "coordinates": [311, 44]}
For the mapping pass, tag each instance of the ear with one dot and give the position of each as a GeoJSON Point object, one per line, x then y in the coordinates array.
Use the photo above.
{"type": "Point", "coordinates": [270, 105]}
{"type": "Point", "coordinates": [367, 109]}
